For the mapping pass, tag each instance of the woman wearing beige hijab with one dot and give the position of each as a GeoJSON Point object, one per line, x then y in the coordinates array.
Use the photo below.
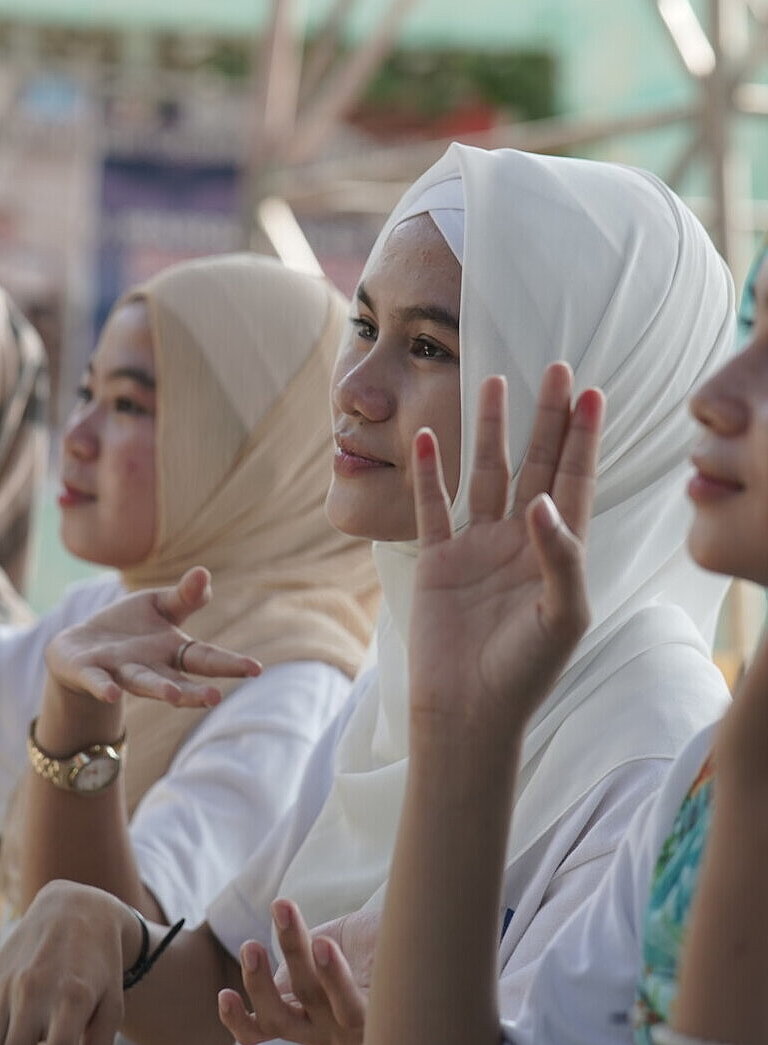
{"type": "Point", "coordinates": [23, 448]}
{"type": "Point", "coordinates": [201, 437]}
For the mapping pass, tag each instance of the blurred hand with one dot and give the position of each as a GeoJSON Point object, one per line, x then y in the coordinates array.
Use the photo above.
{"type": "Point", "coordinates": [134, 644]}
{"type": "Point", "coordinates": [61, 969]}
{"type": "Point", "coordinates": [317, 1000]}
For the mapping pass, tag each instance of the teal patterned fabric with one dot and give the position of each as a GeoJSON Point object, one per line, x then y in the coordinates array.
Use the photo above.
{"type": "Point", "coordinates": [672, 889]}
{"type": "Point", "coordinates": [746, 313]}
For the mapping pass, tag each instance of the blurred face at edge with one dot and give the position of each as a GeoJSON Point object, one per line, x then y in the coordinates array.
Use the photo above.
{"type": "Point", "coordinates": [729, 489]}
{"type": "Point", "coordinates": [108, 495]}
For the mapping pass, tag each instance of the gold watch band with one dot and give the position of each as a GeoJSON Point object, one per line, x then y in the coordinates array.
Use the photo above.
{"type": "Point", "coordinates": [59, 771]}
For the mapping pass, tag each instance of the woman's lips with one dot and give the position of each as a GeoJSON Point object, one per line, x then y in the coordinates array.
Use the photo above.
{"type": "Point", "coordinates": [347, 463]}
{"type": "Point", "coordinates": [707, 489]}
{"type": "Point", "coordinates": [71, 497]}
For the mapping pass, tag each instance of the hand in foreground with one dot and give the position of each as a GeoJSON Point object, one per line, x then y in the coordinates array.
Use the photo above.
{"type": "Point", "coordinates": [499, 607]}
{"type": "Point", "coordinates": [61, 969]}
{"type": "Point", "coordinates": [134, 645]}
{"type": "Point", "coordinates": [325, 1006]}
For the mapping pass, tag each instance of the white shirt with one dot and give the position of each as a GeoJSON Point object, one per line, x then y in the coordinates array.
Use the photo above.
{"type": "Point", "coordinates": [583, 989]}
{"type": "Point", "coordinates": [589, 834]}
{"type": "Point", "coordinates": [231, 780]}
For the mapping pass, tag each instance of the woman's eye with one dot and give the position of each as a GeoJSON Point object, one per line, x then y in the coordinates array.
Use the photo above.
{"type": "Point", "coordinates": [83, 393]}
{"type": "Point", "coordinates": [124, 405]}
{"type": "Point", "coordinates": [364, 329]}
{"type": "Point", "coordinates": [428, 350]}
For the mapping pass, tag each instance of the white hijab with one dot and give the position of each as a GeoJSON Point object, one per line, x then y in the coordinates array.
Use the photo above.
{"type": "Point", "coordinates": [604, 267]}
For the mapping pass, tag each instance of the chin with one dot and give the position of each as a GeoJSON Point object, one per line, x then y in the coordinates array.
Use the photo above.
{"type": "Point", "coordinates": [366, 523]}
{"type": "Point", "coordinates": [78, 545]}
{"type": "Point", "coordinates": [732, 556]}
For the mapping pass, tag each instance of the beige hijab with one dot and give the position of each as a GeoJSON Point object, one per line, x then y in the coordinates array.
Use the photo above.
{"type": "Point", "coordinates": [243, 355]}
{"type": "Point", "coordinates": [23, 450]}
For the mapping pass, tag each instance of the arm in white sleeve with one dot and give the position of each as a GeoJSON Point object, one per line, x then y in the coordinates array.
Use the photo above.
{"type": "Point", "coordinates": [230, 783]}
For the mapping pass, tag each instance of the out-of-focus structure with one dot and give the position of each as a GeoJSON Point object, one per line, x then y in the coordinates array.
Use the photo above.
{"type": "Point", "coordinates": [135, 133]}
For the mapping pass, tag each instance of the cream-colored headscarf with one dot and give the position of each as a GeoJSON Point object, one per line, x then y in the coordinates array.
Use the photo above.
{"type": "Point", "coordinates": [244, 350]}
{"type": "Point", "coordinates": [23, 449]}
{"type": "Point", "coordinates": [243, 354]}
{"type": "Point", "coordinates": [604, 267]}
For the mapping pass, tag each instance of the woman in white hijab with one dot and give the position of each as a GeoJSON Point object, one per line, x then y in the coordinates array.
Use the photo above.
{"type": "Point", "coordinates": [604, 268]}
{"type": "Point", "coordinates": [509, 261]}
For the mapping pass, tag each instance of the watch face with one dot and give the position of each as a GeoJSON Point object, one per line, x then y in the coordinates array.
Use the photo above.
{"type": "Point", "coordinates": [95, 774]}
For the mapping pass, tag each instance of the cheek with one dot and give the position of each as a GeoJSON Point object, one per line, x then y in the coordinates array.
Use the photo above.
{"type": "Point", "coordinates": [132, 467]}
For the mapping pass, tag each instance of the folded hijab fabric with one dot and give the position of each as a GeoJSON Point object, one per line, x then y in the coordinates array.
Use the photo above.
{"type": "Point", "coordinates": [604, 267]}
{"type": "Point", "coordinates": [23, 448]}
{"type": "Point", "coordinates": [243, 355]}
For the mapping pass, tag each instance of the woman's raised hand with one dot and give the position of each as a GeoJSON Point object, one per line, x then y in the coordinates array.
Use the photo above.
{"type": "Point", "coordinates": [499, 607]}
{"type": "Point", "coordinates": [138, 645]}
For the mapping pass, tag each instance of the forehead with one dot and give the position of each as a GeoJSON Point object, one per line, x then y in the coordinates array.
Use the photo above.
{"type": "Point", "coordinates": [414, 266]}
{"type": "Point", "coordinates": [126, 340]}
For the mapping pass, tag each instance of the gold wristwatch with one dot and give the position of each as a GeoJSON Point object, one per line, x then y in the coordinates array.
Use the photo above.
{"type": "Point", "coordinates": [85, 772]}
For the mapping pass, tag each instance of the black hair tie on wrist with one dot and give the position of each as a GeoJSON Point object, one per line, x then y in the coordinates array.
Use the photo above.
{"type": "Point", "coordinates": [145, 961]}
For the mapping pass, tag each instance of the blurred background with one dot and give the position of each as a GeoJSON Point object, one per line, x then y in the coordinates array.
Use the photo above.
{"type": "Point", "coordinates": [137, 132]}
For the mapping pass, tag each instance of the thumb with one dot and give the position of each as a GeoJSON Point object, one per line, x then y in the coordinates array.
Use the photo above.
{"type": "Point", "coordinates": [560, 556]}
{"type": "Point", "coordinates": [191, 593]}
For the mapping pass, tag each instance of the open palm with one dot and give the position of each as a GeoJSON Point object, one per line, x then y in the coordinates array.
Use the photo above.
{"type": "Point", "coordinates": [499, 607]}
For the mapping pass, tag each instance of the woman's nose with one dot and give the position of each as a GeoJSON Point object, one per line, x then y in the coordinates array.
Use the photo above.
{"type": "Point", "coordinates": [363, 388]}
{"type": "Point", "coordinates": [80, 438]}
{"type": "Point", "coordinates": [720, 404]}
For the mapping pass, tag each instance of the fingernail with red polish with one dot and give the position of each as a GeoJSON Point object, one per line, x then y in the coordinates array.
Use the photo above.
{"type": "Point", "coordinates": [424, 444]}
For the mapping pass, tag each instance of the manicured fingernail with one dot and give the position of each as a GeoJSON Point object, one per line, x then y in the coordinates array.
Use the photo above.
{"type": "Point", "coordinates": [322, 951]}
{"type": "Point", "coordinates": [425, 448]}
{"type": "Point", "coordinates": [250, 958]}
{"type": "Point", "coordinates": [281, 912]}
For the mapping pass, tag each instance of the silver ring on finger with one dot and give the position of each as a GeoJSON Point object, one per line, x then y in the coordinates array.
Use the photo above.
{"type": "Point", "coordinates": [181, 653]}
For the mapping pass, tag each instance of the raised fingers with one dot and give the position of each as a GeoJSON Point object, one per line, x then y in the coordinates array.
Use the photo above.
{"type": "Point", "coordinates": [346, 999]}
{"type": "Point", "coordinates": [272, 1017]}
{"type": "Point", "coordinates": [553, 412]}
{"type": "Point", "coordinates": [490, 470]}
{"type": "Point", "coordinates": [433, 520]}
{"type": "Point", "coordinates": [296, 945]}
{"type": "Point", "coordinates": [574, 481]}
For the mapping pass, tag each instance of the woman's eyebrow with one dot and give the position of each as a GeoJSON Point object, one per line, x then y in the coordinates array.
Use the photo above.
{"type": "Point", "coordinates": [434, 313]}
{"type": "Point", "coordinates": [141, 377]}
